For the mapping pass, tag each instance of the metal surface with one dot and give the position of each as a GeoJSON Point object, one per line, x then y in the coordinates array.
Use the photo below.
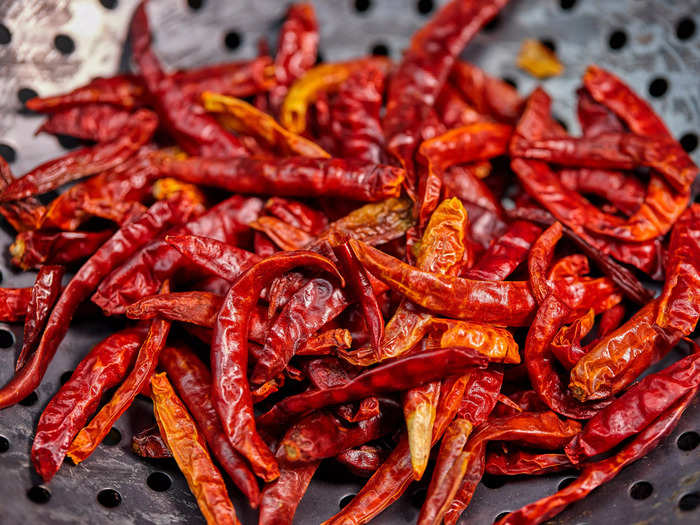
{"type": "Point", "coordinates": [657, 45]}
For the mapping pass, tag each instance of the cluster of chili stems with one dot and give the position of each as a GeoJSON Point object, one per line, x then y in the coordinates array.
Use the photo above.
{"type": "Point", "coordinates": [381, 305]}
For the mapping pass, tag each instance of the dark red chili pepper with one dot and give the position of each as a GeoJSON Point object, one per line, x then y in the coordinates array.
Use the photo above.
{"type": "Point", "coordinates": [594, 117]}
{"type": "Point", "coordinates": [85, 161]}
{"type": "Point", "coordinates": [124, 91]}
{"type": "Point", "coordinates": [454, 111]}
{"type": "Point", "coordinates": [523, 462]}
{"type": "Point", "coordinates": [13, 304]}
{"type": "Point", "coordinates": [45, 292]}
{"type": "Point", "coordinates": [610, 320]}
{"type": "Point", "coordinates": [363, 461]}
{"type": "Point", "coordinates": [229, 356]}
{"type": "Point", "coordinates": [111, 254]}
{"type": "Point", "coordinates": [297, 214]}
{"type": "Point", "coordinates": [195, 131]}
{"type": "Point", "coordinates": [150, 444]}
{"type": "Point", "coordinates": [22, 215]}
{"type": "Point", "coordinates": [566, 345]}
{"type": "Point", "coordinates": [622, 190]}
{"type": "Point", "coordinates": [98, 122]}
{"type": "Point", "coordinates": [281, 497]}
{"type": "Point", "coordinates": [285, 236]}
{"type": "Point", "coordinates": [33, 248]}
{"type": "Point", "coordinates": [102, 368]}
{"type": "Point", "coordinates": [192, 381]}
{"type": "Point", "coordinates": [262, 245]}
{"type": "Point", "coordinates": [290, 176]}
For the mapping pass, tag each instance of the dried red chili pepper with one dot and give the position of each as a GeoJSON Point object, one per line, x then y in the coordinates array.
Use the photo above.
{"type": "Point", "coordinates": [566, 345]}
{"type": "Point", "coordinates": [610, 320]}
{"type": "Point", "coordinates": [124, 91]}
{"type": "Point", "coordinates": [622, 190]}
{"type": "Point", "coordinates": [13, 304]}
{"type": "Point", "coordinates": [594, 117]}
{"type": "Point", "coordinates": [150, 444]}
{"type": "Point", "coordinates": [325, 342]}
{"type": "Point", "coordinates": [508, 302]}
{"type": "Point", "coordinates": [85, 161]}
{"type": "Point", "coordinates": [102, 368]}
{"type": "Point", "coordinates": [111, 254]}
{"type": "Point", "coordinates": [192, 381]}
{"type": "Point", "coordinates": [195, 132]}
{"type": "Point", "coordinates": [363, 461]}
{"type": "Point", "coordinates": [454, 111]}
{"type": "Point", "coordinates": [92, 435]}
{"type": "Point", "coordinates": [297, 214]}
{"type": "Point", "coordinates": [231, 391]}
{"type": "Point", "coordinates": [595, 474]}
{"type": "Point", "coordinates": [45, 292]}
{"type": "Point", "coordinates": [291, 176]}
{"type": "Point", "coordinates": [190, 452]}
{"type": "Point", "coordinates": [22, 215]}
{"type": "Point", "coordinates": [33, 248]}
{"type": "Point", "coordinates": [522, 462]}
{"type": "Point", "coordinates": [98, 122]}
{"type": "Point", "coordinates": [281, 497]}
{"type": "Point", "coordinates": [283, 235]}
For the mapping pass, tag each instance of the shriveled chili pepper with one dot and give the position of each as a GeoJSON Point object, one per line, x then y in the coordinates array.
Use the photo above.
{"type": "Point", "coordinates": [144, 273]}
{"type": "Point", "coordinates": [150, 444]}
{"type": "Point", "coordinates": [98, 122]}
{"type": "Point", "coordinates": [285, 236]}
{"type": "Point", "coordinates": [610, 320]}
{"type": "Point", "coordinates": [33, 248]}
{"type": "Point", "coordinates": [102, 368]}
{"type": "Point", "coordinates": [423, 71]}
{"type": "Point", "coordinates": [238, 115]}
{"type": "Point", "coordinates": [566, 345]}
{"type": "Point", "coordinates": [290, 176]}
{"type": "Point", "coordinates": [595, 474]}
{"type": "Point", "coordinates": [91, 435]}
{"type": "Point", "coordinates": [45, 292]}
{"type": "Point", "coordinates": [85, 161]}
{"type": "Point", "coordinates": [229, 355]}
{"type": "Point", "coordinates": [621, 189]}
{"type": "Point", "coordinates": [394, 476]}
{"type": "Point", "coordinates": [13, 304]}
{"type": "Point", "coordinates": [507, 302]}
{"type": "Point", "coordinates": [454, 110]}
{"type": "Point", "coordinates": [281, 497]}
{"type": "Point", "coordinates": [363, 461]}
{"type": "Point", "coordinates": [523, 462]}
{"type": "Point", "coordinates": [24, 214]}
{"type": "Point", "coordinates": [189, 449]}
{"type": "Point", "coordinates": [297, 214]}
{"type": "Point", "coordinates": [192, 381]}
{"type": "Point", "coordinates": [195, 132]}
{"type": "Point", "coordinates": [326, 341]}
{"type": "Point", "coordinates": [111, 254]}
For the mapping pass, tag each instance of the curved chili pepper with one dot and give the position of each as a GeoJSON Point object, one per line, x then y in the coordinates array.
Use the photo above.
{"type": "Point", "coordinates": [33, 248]}
{"type": "Point", "coordinates": [111, 254]}
{"type": "Point", "coordinates": [508, 302]}
{"type": "Point", "coordinates": [594, 117]}
{"type": "Point", "coordinates": [231, 392]}
{"type": "Point", "coordinates": [190, 452]}
{"type": "Point", "coordinates": [325, 342]}
{"type": "Point", "coordinates": [297, 214]}
{"type": "Point", "coordinates": [92, 435]}
{"type": "Point", "coordinates": [150, 444]}
{"type": "Point", "coordinates": [195, 132]}
{"type": "Point", "coordinates": [45, 292]}
{"type": "Point", "coordinates": [285, 236]}
{"type": "Point", "coordinates": [14, 303]}
{"type": "Point", "coordinates": [454, 111]}
{"type": "Point", "coordinates": [493, 342]}
{"type": "Point", "coordinates": [192, 381]}
{"type": "Point", "coordinates": [98, 122]}
{"type": "Point", "coordinates": [622, 190]}
{"type": "Point", "coordinates": [290, 176]}
{"type": "Point", "coordinates": [102, 368]}
{"type": "Point", "coordinates": [85, 161]}
{"type": "Point", "coordinates": [281, 497]}
{"type": "Point", "coordinates": [23, 215]}
{"type": "Point", "coordinates": [566, 345]}
{"type": "Point", "coordinates": [522, 462]}
{"type": "Point", "coordinates": [595, 474]}
{"type": "Point", "coordinates": [363, 461]}
{"type": "Point", "coordinates": [124, 91]}
{"type": "Point", "coordinates": [419, 409]}
{"type": "Point", "coordinates": [610, 320]}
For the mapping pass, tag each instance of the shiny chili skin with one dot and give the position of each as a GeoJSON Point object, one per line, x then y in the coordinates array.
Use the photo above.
{"type": "Point", "coordinates": [13, 306]}
{"type": "Point", "coordinates": [45, 292]}
{"type": "Point", "coordinates": [33, 248]}
{"type": "Point", "coordinates": [192, 381]}
{"type": "Point", "coordinates": [289, 176]}
{"type": "Point", "coordinates": [98, 122]}
{"type": "Point", "coordinates": [635, 409]}
{"type": "Point", "coordinates": [363, 461]}
{"type": "Point", "coordinates": [69, 409]}
{"type": "Point", "coordinates": [297, 214]}
{"type": "Point", "coordinates": [453, 109]}
{"type": "Point", "coordinates": [229, 356]}
{"type": "Point", "coordinates": [507, 303]}
{"type": "Point", "coordinates": [92, 435]}
{"type": "Point", "coordinates": [622, 190]}
{"type": "Point", "coordinates": [324, 342]}
{"type": "Point", "coordinates": [23, 215]}
{"type": "Point", "coordinates": [566, 345]}
{"type": "Point", "coordinates": [150, 444]}
{"type": "Point", "coordinates": [195, 132]}
{"type": "Point", "coordinates": [392, 376]}
{"type": "Point", "coordinates": [281, 497]}
{"type": "Point", "coordinates": [283, 235]}
{"type": "Point", "coordinates": [85, 161]}
{"type": "Point", "coordinates": [111, 254]}
{"type": "Point", "coordinates": [523, 462]}
{"type": "Point", "coordinates": [595, 474]}
{"type": "Point", "coordinates": [189, 449]}
{"type": "Point", "coordinates": [610, 320]}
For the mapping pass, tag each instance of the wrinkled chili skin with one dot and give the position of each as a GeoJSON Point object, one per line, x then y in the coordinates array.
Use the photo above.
{"type": "Point", "coordinates": [192, 381]}
{"type": "Point", "coordinates": [150, 444]}
{"type": "Point", "coordinates": [297, 214]}
{"type": "Point", "coordinates": [33, 248]}
{"type": "Point", "coordinates": [622, 190]}
{"type": "Point", "coordinates": [98, 122]}
{"type": "Point", "coordinates": [290, 176]}
{"type": "Point", "coordinates": [87, 440]}
{"type": "Point", "coordinates": [111, 254]}
{"type": "Point", "coordinates": [281, 497]}
{"type": "Point", "coordinates": [636, 408]}
{"type": "Point", "coordinates": [124, 91]}
{"type": "Point", "coordinates": [198, 308]}
{"type": "Point", "coordinates": [566, 345]}
{"type": "Point", "coordinates": [521, 462]}
{"type": "Point", "coordinates": [45, 292]}
{"type": "Point", "coordinates": [69, 409]}
{"type": "Point", "coordinates": [13, 306]}
{"type": "Point", "coordinates": [190, 452]}
{"type": "Point", "coordinates": [23, 215]}
{"type": "Point", "coordinates": [229, 357]}
{"type": "Point", "coordinates": [363, 461]}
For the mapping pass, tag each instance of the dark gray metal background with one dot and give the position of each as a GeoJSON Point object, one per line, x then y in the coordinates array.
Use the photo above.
{"type": "Point", "coordinates": [190, 37]}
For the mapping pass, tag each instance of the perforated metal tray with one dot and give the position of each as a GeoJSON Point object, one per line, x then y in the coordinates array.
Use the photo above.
{"type": "Point", "coordinates": [49, 46]}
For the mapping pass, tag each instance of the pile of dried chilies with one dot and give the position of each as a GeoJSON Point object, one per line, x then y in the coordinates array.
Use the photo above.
{"type": "Point", "coordinates": [378, 290]}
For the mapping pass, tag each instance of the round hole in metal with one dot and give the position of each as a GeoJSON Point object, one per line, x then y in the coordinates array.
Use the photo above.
{"type": "Point", "coordinates": [562, 123]}
{"type": "Point", "coordinates": [7, 338]}
{"type": "Point", "coordinates": [8, 153]}
{"type": "Point", "coordinates": [685, 28]}
{"type": "Point", "coordinates": [159, 481]}
{"type": "Point", "coordinates": [380, 49]}
{"type": "Point", "coordinates": [68, 142]}
{"type": "Point", "coordinates": [548, 42]}
{"type": "Point", "coordinates": [65, 376]}
{"type": "Point", "coordinates": [689, 501]}
{"type": "Point", "coordinates": [424, 6]}
{"type": "Point", "coordinates": [617, 39]}
{"type": "Point", "coordinates": [232, 40]}
{"type": "Point", "coordinates": [109, 4]}
{"type": "Point", "coordinates": [112, 438]}
{"type": "Point", "coordinates": [567, 4]}
{"type": "Point", "coordinates": [689, 141]}
{"type": "Point", "coordinates": [362, 5]}
{"type": "Point", "coordinates": [641, 490]}
{"type": "Point", "coordinates": [30, 400]}
{"type": "Point", "coordinates": [501, 516]}
{"type": "Point", "coordinates": [493, 482]}
{"type": "Point", "coordinates": [5, 35]}
{"type": "Point", "coordinates": [493, 24]}
{"type": "Point", "coordinates": [688, 440]}
{"type": "Point", "coordinates": [24, 94]}
{"type": "Point", "coordinates": [345, 500]}
{"type": "Point", "coordinates": [39, 494]}
{"type": "Point", "coordinates": [195, 4]}
{"type": "Point", "coordinates": [4, 444]}
{"type": "Point", "coordinates": [658, 87]}
{"type": "Point", "coordinates": [418, 497]}
{"type": "Point", "coordinates": [565, 483]}
{"type": "Point", "coordinates": [64, 44]}
{"type": "Point", "coordinates": [109, 498]}
{"type": "Point", "coordinates": [511, 81]}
